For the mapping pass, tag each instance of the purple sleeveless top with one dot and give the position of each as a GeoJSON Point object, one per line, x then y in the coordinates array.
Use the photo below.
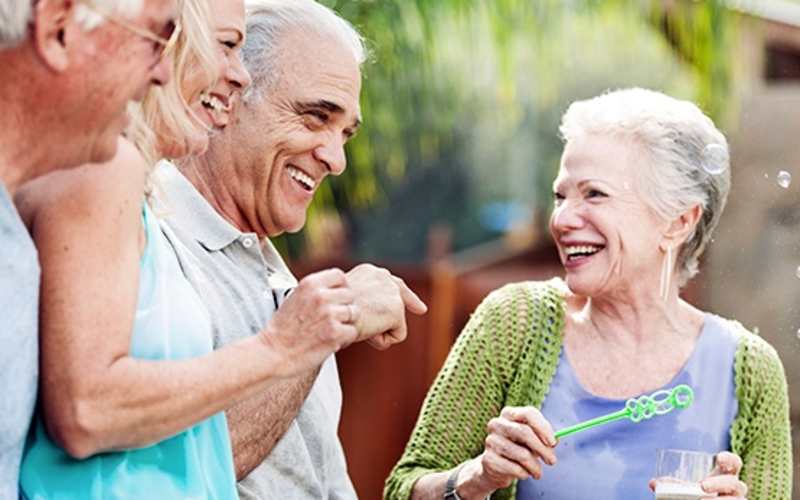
{"type": "Point", "coordinates": [616, 461]}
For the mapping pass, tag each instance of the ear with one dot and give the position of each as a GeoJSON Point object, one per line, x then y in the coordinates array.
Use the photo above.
{"type": "Point", "coordinates": [679, 229]}
{"type": "Point", "coordinates": [53, 27]}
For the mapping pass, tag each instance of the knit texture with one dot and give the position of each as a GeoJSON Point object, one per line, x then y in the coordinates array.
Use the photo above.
{"type": "Point", "coordinates": [507, 355]}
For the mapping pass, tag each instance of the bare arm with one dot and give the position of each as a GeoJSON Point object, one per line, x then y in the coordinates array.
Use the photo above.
{"type": "Point", "coordinates": [257, 424]}
{"type": "Point", "coordinates": [95, 397]}
{"type": "Point", "coordinates": [380, 304]}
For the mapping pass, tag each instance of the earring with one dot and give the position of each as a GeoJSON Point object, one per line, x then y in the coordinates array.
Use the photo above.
{"type": "Point", "coordinates": [666, 275]}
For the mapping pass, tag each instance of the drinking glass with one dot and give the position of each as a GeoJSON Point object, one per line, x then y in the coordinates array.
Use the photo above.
{"type": "Point", "coordinates": [679, 472]}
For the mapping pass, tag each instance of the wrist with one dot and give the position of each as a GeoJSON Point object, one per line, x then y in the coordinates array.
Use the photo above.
{"type": "Point", "coordinates": [273, 359]}
{"type": "Point", "coordinates": [471, 483]}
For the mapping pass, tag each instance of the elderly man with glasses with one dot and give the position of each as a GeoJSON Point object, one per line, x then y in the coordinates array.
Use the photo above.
{"type": "Point", "coordinates": [69, 70]}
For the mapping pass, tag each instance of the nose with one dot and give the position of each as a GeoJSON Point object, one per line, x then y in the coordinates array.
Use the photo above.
{"type": "Point", "coordinates": [566, 216]}
{"type": "Point", "coordinates": [238, 75]}
{"type": "Point", "coordinates": [332, 155]}
{"type": "Point", "coordinates": [161, 73]}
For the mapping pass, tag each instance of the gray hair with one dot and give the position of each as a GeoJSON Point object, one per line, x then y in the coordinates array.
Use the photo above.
{"type": "Point", "coordinates": [268, 20]}
{"type": "Point", "coordinates": [689, 158]}
{"type": "Point", "coordinates": [15, 15]}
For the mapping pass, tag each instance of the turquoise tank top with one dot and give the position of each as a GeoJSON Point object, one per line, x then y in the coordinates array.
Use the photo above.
{"type": "Point", "coordinates": [171, 323]}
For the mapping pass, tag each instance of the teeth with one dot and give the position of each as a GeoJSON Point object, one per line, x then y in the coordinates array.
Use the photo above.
{"type": "Point", "coordinates": [213, 102]}
{"type": "Point", "coordinates": [302, 178]}
{"type": "Point", "coordinates": [581, 249]}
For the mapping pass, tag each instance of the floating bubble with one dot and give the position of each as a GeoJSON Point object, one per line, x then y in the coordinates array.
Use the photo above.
{"type": "Point", "coordinates": [798, 334]}
{"type": "Point", "coordinates": [784, 179]}
{"type": "Point", "coordinates": [797, 273]}
{"type": "Point", "coordinates": [715, 159]}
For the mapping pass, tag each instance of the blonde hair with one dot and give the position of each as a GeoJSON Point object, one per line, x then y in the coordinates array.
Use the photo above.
{"type": "Point", "coordinates": [164, 117]}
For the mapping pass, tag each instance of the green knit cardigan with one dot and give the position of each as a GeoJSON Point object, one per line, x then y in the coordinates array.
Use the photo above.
{"type": "Point", "coordinates": [507, 356]}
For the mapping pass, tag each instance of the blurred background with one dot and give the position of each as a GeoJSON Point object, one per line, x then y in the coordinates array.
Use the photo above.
{"type": "Point", "coordinates": [449, 181]}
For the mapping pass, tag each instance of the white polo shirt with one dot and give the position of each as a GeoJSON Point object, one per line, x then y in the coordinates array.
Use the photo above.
{"type": "Point", "coordinates": [242, 281]}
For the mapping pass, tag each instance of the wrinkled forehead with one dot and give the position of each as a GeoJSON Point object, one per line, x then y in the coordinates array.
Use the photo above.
{"type": "Point", "coordinates": [610, 158]}
{"type": "Point", "coordinates": [318, 66]}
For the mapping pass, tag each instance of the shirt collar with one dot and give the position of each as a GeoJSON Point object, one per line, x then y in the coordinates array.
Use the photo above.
{"type": "Point", "coordinates": [180, 203]}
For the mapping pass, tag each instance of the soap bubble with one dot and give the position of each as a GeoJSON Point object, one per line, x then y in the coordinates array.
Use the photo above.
{"type": "Point", "coordinates": [784, 179]}
{"type": "Point", "coordinates": [797, 273]}
{"type": "Point", "coordinates": [715, 159]}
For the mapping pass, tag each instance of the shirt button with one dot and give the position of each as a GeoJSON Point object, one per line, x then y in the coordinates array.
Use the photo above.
{"type": "Point", "coordinates": [247, 242]}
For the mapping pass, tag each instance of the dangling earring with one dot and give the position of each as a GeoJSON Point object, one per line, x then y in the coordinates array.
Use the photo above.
{"type": "Point", "coordinates": [666, 275]}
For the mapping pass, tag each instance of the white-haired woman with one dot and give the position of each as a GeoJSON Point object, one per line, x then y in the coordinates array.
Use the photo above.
{"type": "Point", "coordinates": [131, 393]}
{"type": "Point", "coordinates": [642, 184]}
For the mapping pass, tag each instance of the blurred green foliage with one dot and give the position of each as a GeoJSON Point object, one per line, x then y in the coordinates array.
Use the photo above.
{"type": "Point", "coordinates": [462, 100]}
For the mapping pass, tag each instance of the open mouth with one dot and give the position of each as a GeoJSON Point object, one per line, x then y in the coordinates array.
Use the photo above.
{"type": "Point", "coordinates": [304, 180]}
{"type": "Point", "coordinates": [577, 253]}
{"type": "Point", "coordinates": [217, 106]}
{"type": "Point", "coordinates": [214, 102]}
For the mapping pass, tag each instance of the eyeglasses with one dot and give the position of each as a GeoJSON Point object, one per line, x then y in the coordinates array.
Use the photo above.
{"type": "Point", "coordinates": [162, 45]}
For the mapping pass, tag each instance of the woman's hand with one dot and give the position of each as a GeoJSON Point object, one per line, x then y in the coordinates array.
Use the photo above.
{"type": "Point", "coordinates": [724, 479]}
{"type": "Point", "coordinates": [518, 441]}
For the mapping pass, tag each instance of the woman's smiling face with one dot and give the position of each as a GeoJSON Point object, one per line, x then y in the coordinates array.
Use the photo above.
{"type": "Point", "coordinates": [607, 236]}
{"type": "Point", "coordinates": [213, 105]}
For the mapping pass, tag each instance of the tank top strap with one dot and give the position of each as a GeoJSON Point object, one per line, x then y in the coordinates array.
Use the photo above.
{"type": "Point", "coordinates": [150, 223]}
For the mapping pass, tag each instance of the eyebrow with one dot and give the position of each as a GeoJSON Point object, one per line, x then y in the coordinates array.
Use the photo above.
{"type": "Point", "coordinates": [596, 181]}
{"type": "Point", "coordinates": [330, 107]}
{"type": "Point", "coordinates": [582, 183]}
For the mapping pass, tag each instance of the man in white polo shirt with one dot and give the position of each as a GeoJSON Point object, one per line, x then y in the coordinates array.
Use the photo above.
{"type": "Point", "coordinates": [256, 182]}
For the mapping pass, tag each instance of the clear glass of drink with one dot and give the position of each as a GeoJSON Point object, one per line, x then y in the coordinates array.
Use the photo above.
{"type": "Point", "coordinates": [679, 472]}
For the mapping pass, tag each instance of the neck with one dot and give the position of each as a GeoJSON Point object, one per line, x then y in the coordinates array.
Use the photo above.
{"type": "Point", "coordinates": [639, 317]}
{"type": "Point", "coordinates": [29, 141]}
{"type": "Point", "coordinates": [211, 174]}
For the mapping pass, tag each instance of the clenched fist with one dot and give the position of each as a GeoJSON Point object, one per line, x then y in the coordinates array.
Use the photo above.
{"type": "Point", "coordinates": [316, 320]}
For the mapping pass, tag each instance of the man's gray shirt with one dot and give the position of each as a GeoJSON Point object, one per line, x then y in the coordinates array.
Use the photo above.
{"type": "Point", "coordinates": [242, 281]}
{"type": "Point", "coordinates": [19, 338]}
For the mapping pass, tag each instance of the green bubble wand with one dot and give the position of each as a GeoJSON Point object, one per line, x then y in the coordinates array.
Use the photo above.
{"type": "Point", "coordinates": [638, 409]}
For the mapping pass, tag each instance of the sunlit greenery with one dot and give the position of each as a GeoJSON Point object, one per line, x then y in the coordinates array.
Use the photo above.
{"type": "Point", "coordinates": [462, 100]}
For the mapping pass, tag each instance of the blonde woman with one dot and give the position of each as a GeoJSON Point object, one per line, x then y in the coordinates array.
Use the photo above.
{"type": "Point", "coordinates": [131, 393]}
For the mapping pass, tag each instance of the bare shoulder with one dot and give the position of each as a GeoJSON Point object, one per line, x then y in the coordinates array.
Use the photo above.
{"type": "Point", "coordinates": [90, 193]}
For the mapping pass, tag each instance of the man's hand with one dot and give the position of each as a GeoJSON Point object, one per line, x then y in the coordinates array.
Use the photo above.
{"type": "Point", "coordinates": [381, 301]}
{"type": "Point", "coordinates": [316, 320]}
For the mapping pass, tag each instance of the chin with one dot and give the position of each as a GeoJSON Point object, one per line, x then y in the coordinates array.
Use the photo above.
{"type": "Point", "coordinates": [580, 286]}
{"type": "Point", "coordinates": [105, 151]}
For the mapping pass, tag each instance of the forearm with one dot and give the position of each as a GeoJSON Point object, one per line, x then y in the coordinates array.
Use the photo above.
{"type": "Point", "coordinates": [768, 468]}
{"type": "Point", "coordinates": [258, 423]}
{"type": "Point", "coordinates": [136, 402]}
{"type": "Point", "coordinates": [470, 484]}
{"type": "Point", "coordinates": [430, 486]}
